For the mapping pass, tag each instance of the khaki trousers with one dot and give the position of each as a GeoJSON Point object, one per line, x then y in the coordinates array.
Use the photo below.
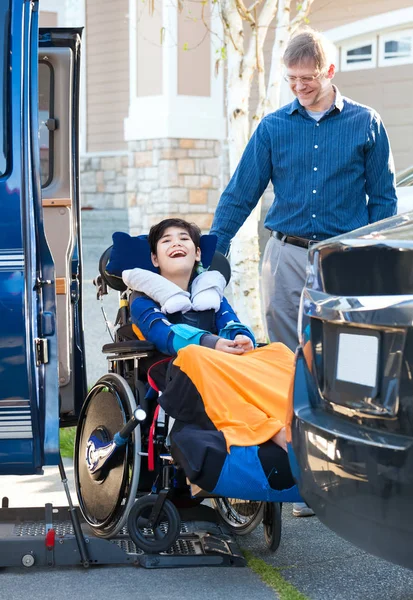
{"type": "Point", "coordinates": [283, 278]}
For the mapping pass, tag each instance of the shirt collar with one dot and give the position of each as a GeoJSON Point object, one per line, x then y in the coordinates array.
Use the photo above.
{"type": "Point", "coordinates": [338, 104]}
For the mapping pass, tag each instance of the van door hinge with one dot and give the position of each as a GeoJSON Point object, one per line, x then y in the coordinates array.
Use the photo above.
{"type": "Point", "coordinates": [42, 351]}
{"type": "Point", "coordinates": [39, 283]}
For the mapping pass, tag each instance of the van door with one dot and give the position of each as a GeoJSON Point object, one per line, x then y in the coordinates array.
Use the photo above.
{"type": "Point", "coordinates": [29, 435]}
{"type": "Point", "coordinates": [30, 396]}
{"type": "Point", "coordinates": [59, 73]}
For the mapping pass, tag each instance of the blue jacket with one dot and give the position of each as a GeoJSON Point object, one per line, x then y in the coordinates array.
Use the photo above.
{"type": "Point", "coordinates": [156, 327]}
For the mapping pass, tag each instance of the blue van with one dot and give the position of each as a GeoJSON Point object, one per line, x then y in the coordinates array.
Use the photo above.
{"type": "Point", "coordinates": [42, 381]}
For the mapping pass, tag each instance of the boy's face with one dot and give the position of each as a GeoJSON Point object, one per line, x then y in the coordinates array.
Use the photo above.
{"type": "Point", "coordinates": [175, 252]}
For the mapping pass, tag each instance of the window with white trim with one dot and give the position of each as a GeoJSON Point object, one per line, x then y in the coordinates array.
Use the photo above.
{"type": "Point", "coordinates": [396, 48]}
{"type": "Point", "coordinates": [359, 55]}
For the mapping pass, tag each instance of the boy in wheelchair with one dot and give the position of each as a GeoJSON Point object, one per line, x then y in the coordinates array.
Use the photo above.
{"type": "Point", "coordinates": [225, 401]}
{"type": "Point", "coordinates": [231, 399]}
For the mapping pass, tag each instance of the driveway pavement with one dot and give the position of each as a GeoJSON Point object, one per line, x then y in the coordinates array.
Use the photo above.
{"type": "Point", "coordinates": [323, 566]}
{"type": "Point", "coordinates": [314, 560]}
{"type": "Point", "coordinates": [113, 582]}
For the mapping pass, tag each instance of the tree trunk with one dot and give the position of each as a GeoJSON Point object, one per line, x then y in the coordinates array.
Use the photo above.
{"type": "Point", "coordinates": [245, 256]}
{"type": "Point", "coordinates": [244, 248]}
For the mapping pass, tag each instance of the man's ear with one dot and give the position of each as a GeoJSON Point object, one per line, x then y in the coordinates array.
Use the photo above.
{"type": "Point", "coordinates": [154, 260]}
{"type": "Point", "coordinates": [198, 254]}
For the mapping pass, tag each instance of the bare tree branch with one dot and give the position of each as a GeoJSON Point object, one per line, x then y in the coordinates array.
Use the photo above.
{"type": "Point", "coordinates": [254, 6]}
{"type": "Point", "coordinates": [244, 13]}
{"type": "Point", "coordinates": [301, 16]}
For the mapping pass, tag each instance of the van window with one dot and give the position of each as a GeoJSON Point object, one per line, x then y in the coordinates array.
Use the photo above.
{"type": "Point", "coordinates": [46, 121]}
{"type": "Point", "coordinates": [4, 53]}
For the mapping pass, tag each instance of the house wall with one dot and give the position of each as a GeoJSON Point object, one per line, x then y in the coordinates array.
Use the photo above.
{"type": "Point", "coordinates": [325, 16]}
{"type": "Point", "coordinates": [104, 160]}
{"type": "Point", "coordinates": [173, 178]}
{"type": "Point", "coordinates": [107, 73]}
{"type": "Point", "coordinates": [390, 91]}
{"type": "Point", "coordinates": [194, 54]}
{"type": "Point", "coordinates": [170, 89]}
{"type": "Point", "coordinates": [172, 63]}
{"type": "Point", "coordinates": [149, 70]}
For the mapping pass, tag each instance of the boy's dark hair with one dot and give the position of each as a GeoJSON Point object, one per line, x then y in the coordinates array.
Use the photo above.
{"type": "Point", "coordinates": [157, 231]}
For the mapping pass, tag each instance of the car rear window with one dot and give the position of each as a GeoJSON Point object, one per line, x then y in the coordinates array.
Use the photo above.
{"type": "Point", "coordinates": [4, 52]}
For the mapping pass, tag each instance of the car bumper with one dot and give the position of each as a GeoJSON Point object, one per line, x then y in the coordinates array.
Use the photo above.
{"type": "Point", "coordinates": [358, 481]}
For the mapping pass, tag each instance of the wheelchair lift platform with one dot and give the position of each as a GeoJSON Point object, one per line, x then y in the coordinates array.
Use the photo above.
{"type": "Point", "coordinates": [46, 537]}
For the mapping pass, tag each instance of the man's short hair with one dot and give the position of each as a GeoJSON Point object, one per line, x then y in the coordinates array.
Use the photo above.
{"type": "Point", "coordinates": [307, 45]}
{"type": "Point", "coordinates": [157, 231]}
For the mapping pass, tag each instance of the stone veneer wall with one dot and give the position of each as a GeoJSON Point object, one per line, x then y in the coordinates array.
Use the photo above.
{"type": "Point", "coordinates": [172, 177]}
{"type": "Point", "coordinates": [103, 181]}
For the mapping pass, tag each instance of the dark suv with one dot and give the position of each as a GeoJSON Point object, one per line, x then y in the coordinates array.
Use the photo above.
{"type": "Point", "coordinates": [352, 424]}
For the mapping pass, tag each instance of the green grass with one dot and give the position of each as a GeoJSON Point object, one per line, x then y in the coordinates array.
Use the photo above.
{"type": "Point", "coordinates": [67, 441]}
{"type": "Point", "coordinates": [273, 578]}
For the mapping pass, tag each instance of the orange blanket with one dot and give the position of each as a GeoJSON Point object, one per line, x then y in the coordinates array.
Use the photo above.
{"type": "Point", "coordinates": [244, 396]}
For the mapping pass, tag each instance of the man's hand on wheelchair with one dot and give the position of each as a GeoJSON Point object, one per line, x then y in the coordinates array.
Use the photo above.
{"type": "Point", "coordinates": [240, 345]}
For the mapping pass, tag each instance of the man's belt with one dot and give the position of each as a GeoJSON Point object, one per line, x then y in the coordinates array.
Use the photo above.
{"type": "Point", "coordinates": [293, 239]}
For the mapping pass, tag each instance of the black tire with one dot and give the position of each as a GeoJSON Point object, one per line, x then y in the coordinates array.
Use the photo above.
{"type": "Point", "coordinates": [239, 516]}
{"type": "Point", "coordinates": [272, 525]}
{"type": "Point", "coordinates": [105, 501]}
{"type": "Point", "coordinates": [165, 532]}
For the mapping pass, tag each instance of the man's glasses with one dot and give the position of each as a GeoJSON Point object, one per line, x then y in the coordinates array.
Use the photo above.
{"type": "Point", "coordinates": [305, 79]}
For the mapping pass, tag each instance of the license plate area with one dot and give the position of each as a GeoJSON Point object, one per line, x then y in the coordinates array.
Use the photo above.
{"type": "Point", "coordinates": [352, 361]}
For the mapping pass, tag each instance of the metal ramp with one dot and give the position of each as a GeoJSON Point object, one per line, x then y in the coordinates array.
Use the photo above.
{"type": "Point", "coordinates": [46, 537]}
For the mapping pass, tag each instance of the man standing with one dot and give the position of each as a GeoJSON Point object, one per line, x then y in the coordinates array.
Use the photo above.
{"type": "Point", "coordinates": [331, 166]}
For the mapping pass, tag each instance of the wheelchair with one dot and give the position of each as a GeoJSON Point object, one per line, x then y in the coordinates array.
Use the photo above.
{"type": "Point", "coordinates": [125, 475]}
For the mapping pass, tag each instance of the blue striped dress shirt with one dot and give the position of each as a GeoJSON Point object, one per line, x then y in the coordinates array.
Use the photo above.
{"type": "Point", "coordinates": [329, 177]}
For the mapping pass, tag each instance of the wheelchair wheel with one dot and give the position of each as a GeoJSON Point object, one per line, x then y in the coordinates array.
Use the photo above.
{"type": "Point", "coordinates": [165, 531]}
{"type": "Point", "coordinates": [106, 498]}
{"type": "Point", "coordinates": [240, 516]}
{"type": "Point", "coordinates": [272, 525]}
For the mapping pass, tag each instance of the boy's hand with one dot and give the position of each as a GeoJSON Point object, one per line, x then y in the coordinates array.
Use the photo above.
{"type": "Point", "coordinates": [244, 342]}
{"type": "Point", "coordinates": [229, 346]}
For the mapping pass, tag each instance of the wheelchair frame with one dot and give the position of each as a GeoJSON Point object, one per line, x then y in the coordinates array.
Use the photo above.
{"type": "Point", "coordinates": [152, 519]}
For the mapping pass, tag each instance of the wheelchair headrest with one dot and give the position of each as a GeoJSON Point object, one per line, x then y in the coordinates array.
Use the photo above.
{"type": "Point", "coordinates": [129, 252]}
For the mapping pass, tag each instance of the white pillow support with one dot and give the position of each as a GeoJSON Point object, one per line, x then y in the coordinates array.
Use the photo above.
{"type": "Point", "coordinates": [207, 290]}
{"type": "Point", "coordinates": [169, 295]}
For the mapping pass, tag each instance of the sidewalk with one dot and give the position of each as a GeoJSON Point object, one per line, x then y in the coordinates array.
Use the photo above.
{"type": "Point", "coordinates": [36, 490]}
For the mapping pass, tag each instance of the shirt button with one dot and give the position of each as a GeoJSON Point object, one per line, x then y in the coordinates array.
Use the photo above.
{"type": "Point", "coordinates": [315, 168]}
{"type": "Point", "coordinates": [313, 216]}
{"type": "Point", "coordinates": [314, 191]}
{"type": "Point", "coordinates": [317, 125]}
{"type": "Point", "coordinates": [316, 146]}
{"type": "Point", "coordinates": [314, 237]}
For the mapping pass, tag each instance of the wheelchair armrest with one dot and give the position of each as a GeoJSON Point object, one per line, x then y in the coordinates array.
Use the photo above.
{"type": "Point", "coordinates": [129, 346]}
